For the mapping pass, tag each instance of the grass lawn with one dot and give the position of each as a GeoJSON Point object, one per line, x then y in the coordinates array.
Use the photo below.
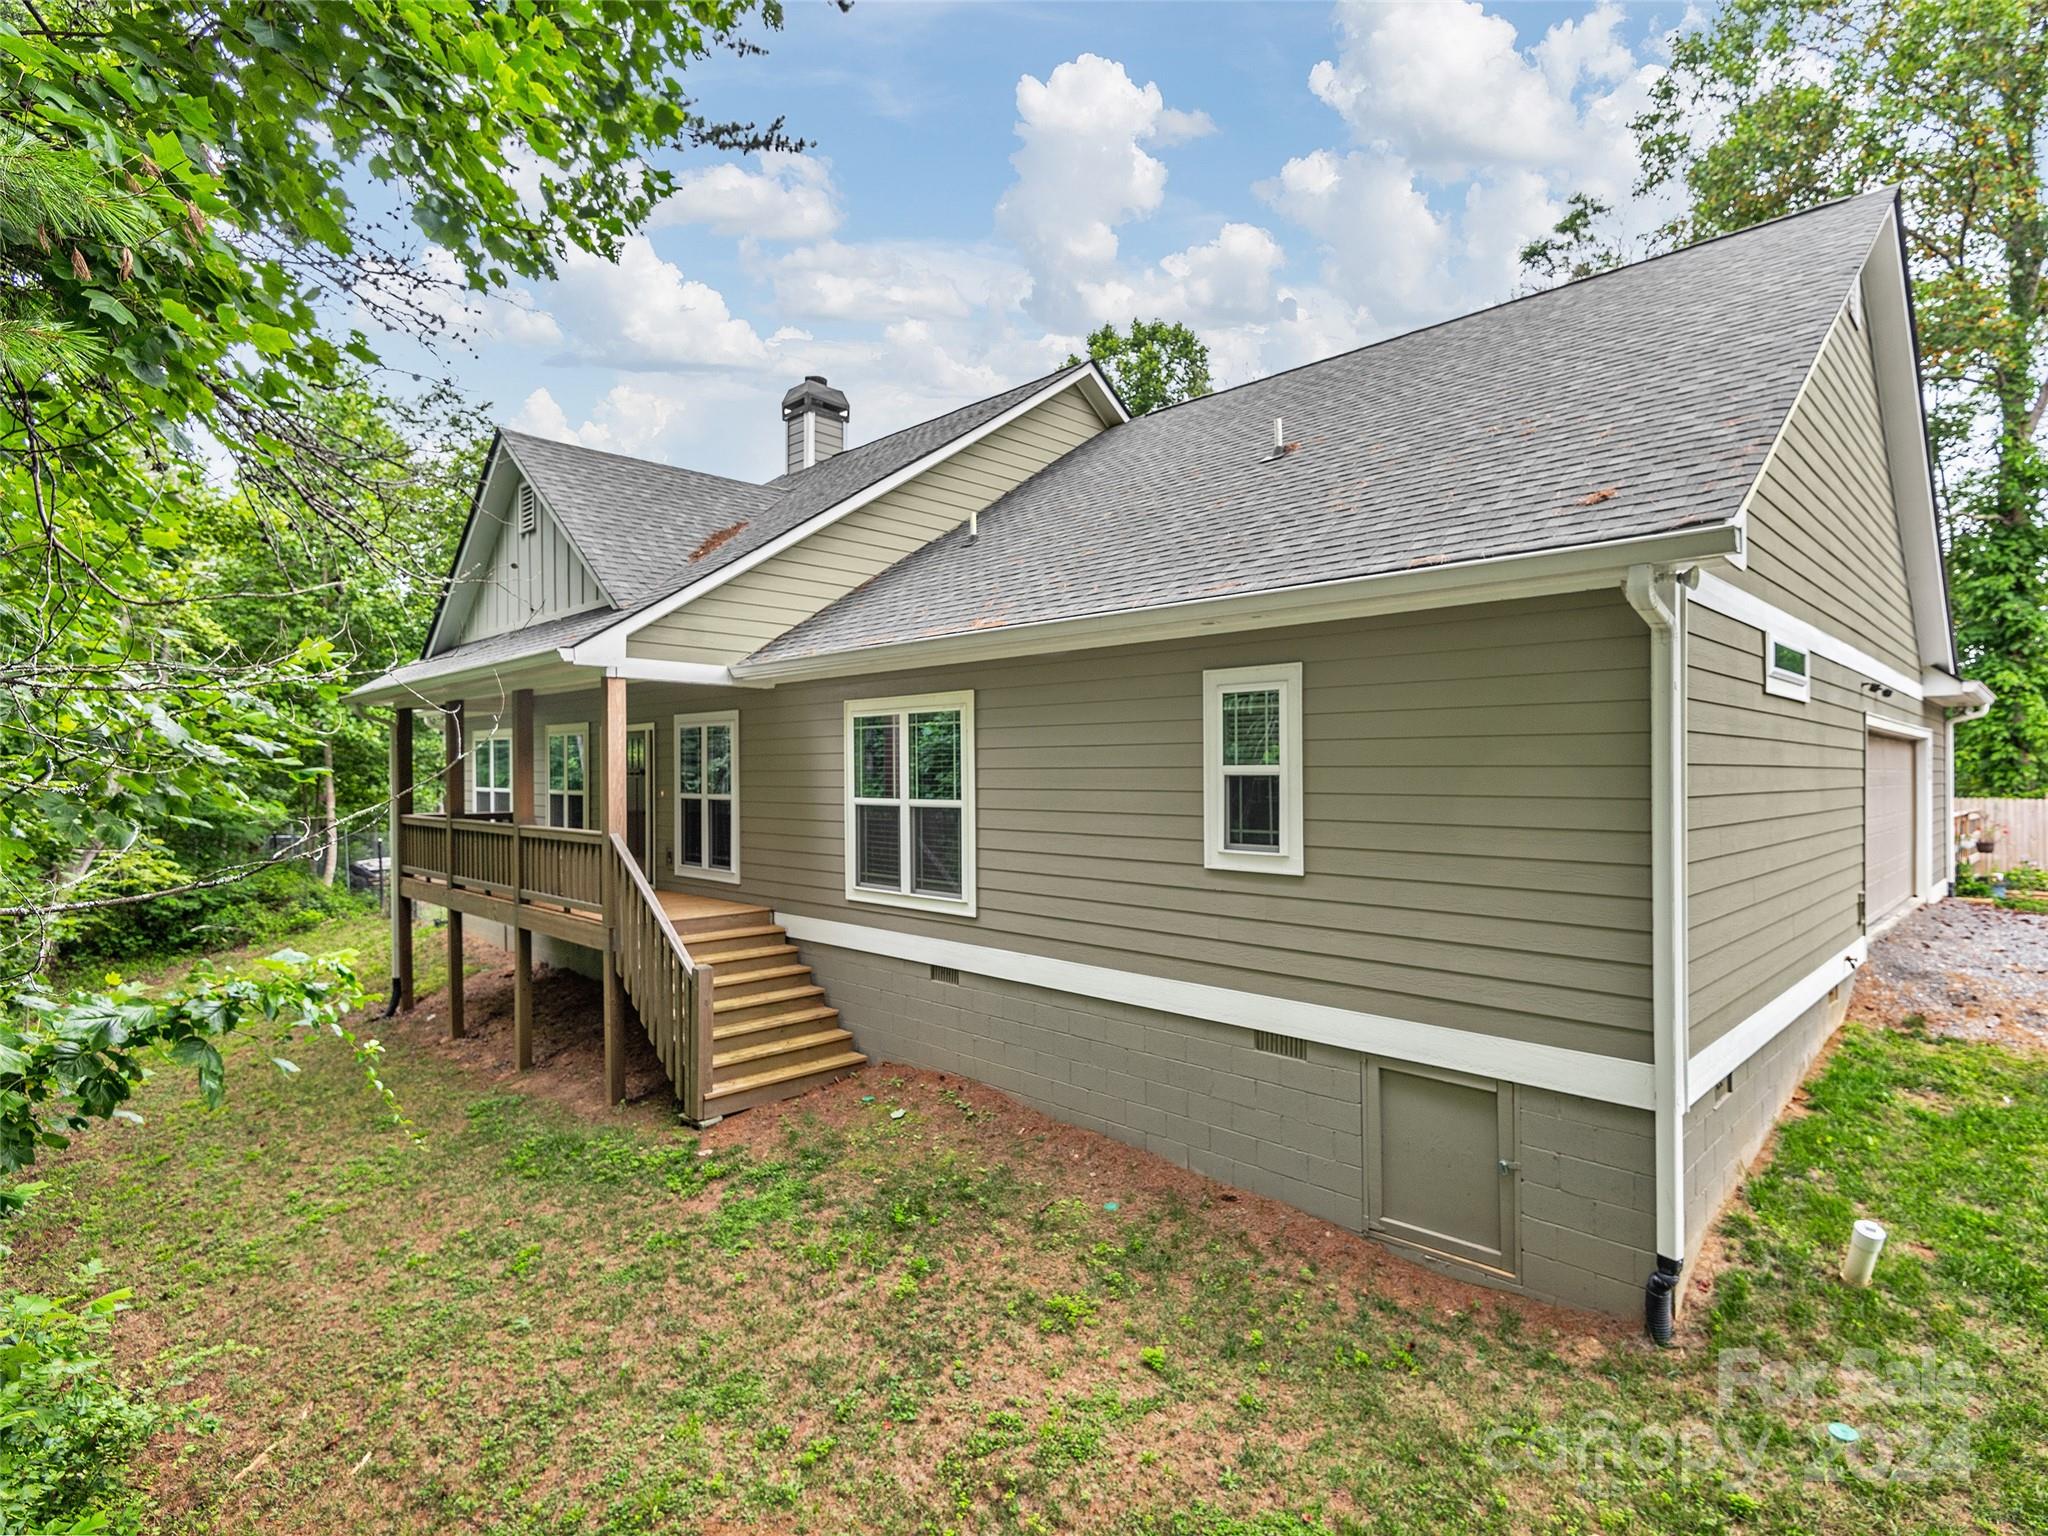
{"type": "Point", "coordinates": [909, 1305]}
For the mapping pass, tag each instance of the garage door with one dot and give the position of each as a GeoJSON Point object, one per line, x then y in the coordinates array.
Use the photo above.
{"type": "Point", "coordinates": [1887, 825]}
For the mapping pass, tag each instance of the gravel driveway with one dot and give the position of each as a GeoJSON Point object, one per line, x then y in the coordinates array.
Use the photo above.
{"type": "Point", "coordinates": [1967, 967]}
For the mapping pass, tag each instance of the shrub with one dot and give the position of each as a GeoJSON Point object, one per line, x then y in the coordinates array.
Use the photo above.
{"type": "Point", "coordinates": [270, 904]}
{"type": "Point", "coordinates": [66, 1430]}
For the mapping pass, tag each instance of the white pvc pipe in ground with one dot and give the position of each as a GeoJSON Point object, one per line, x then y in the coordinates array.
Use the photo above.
{"type": "Point", "coordinates": [1866, 1242]}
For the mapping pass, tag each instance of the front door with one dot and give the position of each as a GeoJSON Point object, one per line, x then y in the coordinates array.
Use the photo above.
{"type": "Point", "coordinates": [639, 792]}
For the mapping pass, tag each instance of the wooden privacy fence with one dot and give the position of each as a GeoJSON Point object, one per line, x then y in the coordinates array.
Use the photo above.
{"type": "Point", "coordinates": [2020, 827]}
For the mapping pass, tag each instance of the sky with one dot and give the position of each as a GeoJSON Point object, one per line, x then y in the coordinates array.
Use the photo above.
{"type": "Point", "coordinates": [990, 182]}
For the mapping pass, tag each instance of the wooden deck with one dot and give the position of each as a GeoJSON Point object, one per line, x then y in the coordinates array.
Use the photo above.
{"type": "Point", "coordinates": [739, 1018]}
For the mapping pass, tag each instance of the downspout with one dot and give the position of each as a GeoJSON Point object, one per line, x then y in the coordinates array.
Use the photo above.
{"type": "Point", "coordinates": [1658, 595]}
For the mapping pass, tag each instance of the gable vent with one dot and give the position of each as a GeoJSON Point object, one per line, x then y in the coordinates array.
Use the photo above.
{"type": "Point", "coordinates": [529, 509]}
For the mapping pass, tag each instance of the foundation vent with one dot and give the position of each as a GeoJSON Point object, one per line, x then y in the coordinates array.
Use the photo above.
{"type": "Point", "coordinates": [947, 974]}
{"type": "Point", "coordinates": [1279, 1045]}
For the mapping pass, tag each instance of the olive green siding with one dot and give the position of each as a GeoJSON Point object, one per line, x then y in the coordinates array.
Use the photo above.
{"type": "Point", "coordinates": [1775, 804]}
{"type": "Point", "coordinates": [1824, 540]}
{"type": "Point", "coordinates": [515, 579]}
{"type": "Point", "coordinates": [1476, 805]}
{"type": "Point", "coordinates": [745, 613]}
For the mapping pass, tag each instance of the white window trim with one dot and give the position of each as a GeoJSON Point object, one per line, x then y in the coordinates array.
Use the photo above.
{"type": "Point", "coordinates": [1779, 683]}
{"type": "Point", "coordinates": [729, 718]}
{"type": "Point", "coordinates": [1287, 858]}
{"type": "Point", "coordinates": [580, 728]}
{"type": "Point", "coordinates": [479, 744]}
{"type": "Point", "coordinates": [964, 904]}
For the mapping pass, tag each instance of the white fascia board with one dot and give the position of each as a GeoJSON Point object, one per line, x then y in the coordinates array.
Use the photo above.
{"type": "Point", "coordinates": [1582, 568]}
{"type": "Point", "coordinates": [609, 646]}
{"type": "Point", "coordinates": [1888, 311]}
{"type": "Point", "coordinates": [642, 669]}
{"type": "Point", "coordinates": [1730, 601]}
{"type": "Point", "coordinates": [537, 669]}
{"type": "Point", "coordinates": [1955, 692]}
{"type": "Point", "coordinates": [1714, 1062]}
{"type": "Point", "coordinates": [1582, 1074]}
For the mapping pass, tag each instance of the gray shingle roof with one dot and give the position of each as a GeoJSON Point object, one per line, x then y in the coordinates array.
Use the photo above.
{"type": "Point", "coordinates": [1638, 402]}
{"type": "Point", "coordinates": [635, 521]}
{"type": "Point", "coordinates": [510, 646]}
{"type": "Point", "coordinates": [650, 529]}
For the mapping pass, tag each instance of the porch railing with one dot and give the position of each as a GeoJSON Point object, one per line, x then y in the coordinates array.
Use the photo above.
{"type": "Point", "coordinates": [667, 989]}
{"type": "Point", "coordinates": [559, 866]}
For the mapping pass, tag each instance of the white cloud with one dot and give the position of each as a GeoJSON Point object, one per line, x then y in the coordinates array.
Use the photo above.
{"type": "Point", "coordinates": [890, 280]}
{"type": "Point", "coordinates": [1082, 170]}
{"type": "Point", "coordinates": [773, 196]}
{"type": "Point", "coordinates": [626, 420]}
{"type": "Point", "coordinates": [1384, 244]}
{"type": "Point", "coordinates": [1464, 146]}
{"type": "Point", "coordinates": [438, 290]}
{"type": "Point", "coordinates": [642, 312]}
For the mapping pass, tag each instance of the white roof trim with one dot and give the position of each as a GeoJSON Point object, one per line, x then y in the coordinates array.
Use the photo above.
{"type": "Point", "coordinates": [1577, 568]}
{"type": "Point", "coordinates": [608, 646]}
{"type": "Point", "coordinates": [1887, 313]}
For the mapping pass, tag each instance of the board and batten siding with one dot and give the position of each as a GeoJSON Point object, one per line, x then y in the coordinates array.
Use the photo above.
{"type": "Point", "coordinates": [1775, 809]}
{"type": "Point", "coordinates": [747, 612]}
{"type": "Point", "coordinates": [1477, 816]}
{"type": "Point", "coordinates": [523, 578]}
{"type": "Point", "coordinates": [1823, 539]}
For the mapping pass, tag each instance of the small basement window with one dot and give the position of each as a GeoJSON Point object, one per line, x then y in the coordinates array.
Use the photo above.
{"type": "Point", "coordinates": [1788, 669]}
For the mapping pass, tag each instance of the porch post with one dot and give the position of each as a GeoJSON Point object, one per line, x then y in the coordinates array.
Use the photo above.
{"type": "Point", "coordinates": [611, 819]}
{"type": "Point", "coordinates": [522, 939]}
{"type": "Point", "coordinates": [451, 804]}
{"type": "Point", "coordinates": [394, 879]}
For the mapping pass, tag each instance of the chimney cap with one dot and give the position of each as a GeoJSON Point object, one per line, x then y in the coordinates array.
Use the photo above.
{"type": "Point", "coordinates": [814, 394]}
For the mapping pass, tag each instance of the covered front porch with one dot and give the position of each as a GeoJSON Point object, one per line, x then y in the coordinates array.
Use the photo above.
{"type": "Point", "coordinates": [548, 829]}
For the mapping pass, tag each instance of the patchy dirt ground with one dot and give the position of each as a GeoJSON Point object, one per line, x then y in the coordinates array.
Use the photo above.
{"type": "Point", "coordinates": [1968, 968]}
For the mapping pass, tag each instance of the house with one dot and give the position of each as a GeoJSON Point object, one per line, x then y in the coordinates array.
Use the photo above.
{"type": "Point", "coordinates": [1448, 786]}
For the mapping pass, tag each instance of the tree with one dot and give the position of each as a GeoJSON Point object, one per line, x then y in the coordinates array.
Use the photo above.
{"type": "Point", "coordinates": [1776, 105]}
{"type": "Point", "coordinates": [1577, 246]}
{"type": "Point", "coordinates": [179, 213]}
{"type": "Point", "coordinates": [1159, 363]}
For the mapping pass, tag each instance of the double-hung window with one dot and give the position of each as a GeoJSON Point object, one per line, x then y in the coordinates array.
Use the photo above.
{"type": "Point", "coordinates": [1251, 769]}
{"type": "Point", "coordinates": [490, 773]}
{"type": "Point", "coordinates": [707, 796]}
{"type": "Point", "coordinates": [568, 776]}
{"type": "Point", "coordinates": [910, 802]}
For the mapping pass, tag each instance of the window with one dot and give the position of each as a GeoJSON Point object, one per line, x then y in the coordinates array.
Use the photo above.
{"type": "Point", "coordinates": [1251, 769]}
{"type": "Point", "coordinates": [568, 776]}
{"type": "Point", "coordinates": [707, 796]}
{"type": "Point", "coordinates": [910, 802]}
{"type": "Point", "coordinates": [490, 774]}
{"type": "Point", "coordinates": [1787, 673]}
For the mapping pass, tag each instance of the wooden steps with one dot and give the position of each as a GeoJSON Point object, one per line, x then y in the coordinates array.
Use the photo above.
{"type": "Point", "coordinates": [774, 1034]}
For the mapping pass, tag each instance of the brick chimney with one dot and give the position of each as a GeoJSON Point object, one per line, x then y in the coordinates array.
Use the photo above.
{"type": "Point", "coordinates": [814, 422]}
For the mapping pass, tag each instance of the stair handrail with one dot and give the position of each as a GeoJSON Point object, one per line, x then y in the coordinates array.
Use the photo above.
{"type": "Point", "coordinates": [691, 1071]}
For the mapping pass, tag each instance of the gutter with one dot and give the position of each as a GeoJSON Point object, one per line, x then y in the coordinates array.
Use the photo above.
{"type": "Point", "coordinates": [1657, 593]}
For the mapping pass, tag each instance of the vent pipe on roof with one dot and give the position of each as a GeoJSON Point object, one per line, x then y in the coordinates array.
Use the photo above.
{"type": "Point", "coordinates": [814, 417]}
